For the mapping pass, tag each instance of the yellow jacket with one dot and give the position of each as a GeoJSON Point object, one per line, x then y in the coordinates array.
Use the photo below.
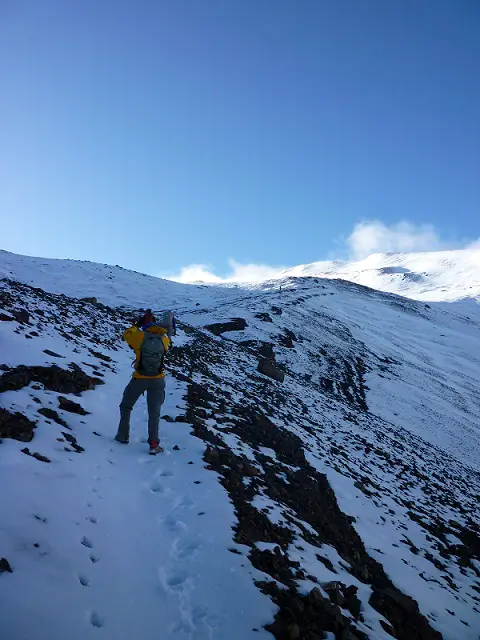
{"type": "Point", "coordinates": [134, 338]}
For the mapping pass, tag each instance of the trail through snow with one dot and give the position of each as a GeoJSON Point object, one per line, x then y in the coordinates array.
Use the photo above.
{"type": "Point", "coordinates": [114, 543]}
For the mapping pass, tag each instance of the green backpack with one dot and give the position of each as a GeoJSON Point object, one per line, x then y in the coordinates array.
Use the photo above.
{"type": "Point", "coordinates": [152, 354]}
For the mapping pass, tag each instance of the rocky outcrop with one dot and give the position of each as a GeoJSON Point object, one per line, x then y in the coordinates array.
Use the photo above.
{"type": "Point", "coordinates": [269, 369]}
{"type": "Point", "coordinates": [72, 380]}
{"type": "Point", "coordinates": [36, 455]}
{"type": "Point", "coordinates": [51, 414]}
{"type": "Point", "coordinates": [71, 407]}
{"type": "Point", "coordinates": [22, 316]}
{"type": "Point", "coordinates": [307, 502]}
{"type": "Point", "coordinates": [235, 324]}
{"type": "Point", "coordinates": [16, 426]}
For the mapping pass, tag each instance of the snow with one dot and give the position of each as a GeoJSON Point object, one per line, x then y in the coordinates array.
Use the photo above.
{"type": "Point", "coordinates": [135, 546]}
{"type": "Point", "coordinates": [114, 539]}
{"type": "Point", "coordinates": [430, 276]}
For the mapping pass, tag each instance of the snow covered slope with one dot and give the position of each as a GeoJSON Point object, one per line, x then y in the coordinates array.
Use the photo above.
{"type": "Point", "coordinates": [112, 285]}
{"type": "Point", "coordinates": [431, 276]}
{"type": "Point", "coordinates": [341, 503]}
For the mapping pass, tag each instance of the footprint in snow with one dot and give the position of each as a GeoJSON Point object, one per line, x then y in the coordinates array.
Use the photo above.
{"type": "Point", "coordinates": [94, 558]}
{"type": "Point", "coordinates": [156, 487]}
{"type": "Point", "coordinates": [173, 525]}
{"type": "Point", "coordinates": [92, 519]}
{"type": "Point", "coordinates": [176, 579]}
{"type": "Point", "coordinates": [86, 542]}
{"type": "Point", "coordinates": [184, 502]}
{"type": "Point", "coordinates": [166, 474]}
{"type": "Point", "coordinates": [185, 549]}
{"type": "Point", "coordinates": [84, 581]}
{"type": "Point", "coordinates": [96, 620]}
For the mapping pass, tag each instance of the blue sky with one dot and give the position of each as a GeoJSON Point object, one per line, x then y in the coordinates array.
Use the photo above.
{"type": "Point", "coordinates": [157, 134]}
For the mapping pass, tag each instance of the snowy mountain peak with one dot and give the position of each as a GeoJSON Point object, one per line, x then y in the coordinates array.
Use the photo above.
{"type": "Point", "coordinates": [434, 276]}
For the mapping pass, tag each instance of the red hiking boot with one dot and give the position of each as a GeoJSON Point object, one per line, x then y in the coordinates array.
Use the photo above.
{"type": "Point", "coordinates": [155, 448]}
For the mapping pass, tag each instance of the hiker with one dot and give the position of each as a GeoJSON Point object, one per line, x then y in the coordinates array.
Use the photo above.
{"type": "Point", "coordinates": [150, 345]}
{"type": "Point", "coordinates": [146, 317]}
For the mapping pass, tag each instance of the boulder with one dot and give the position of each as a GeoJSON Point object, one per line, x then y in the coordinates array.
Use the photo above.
{"type": "Point", "coordinates": [36, 455]}
{"type": "Point", "coordinates": [235, 324]}
{"type": "Point", "coordinates": [269, 369]}
{"type": "Point", "coordinates": [51, 414]}
{"type": "Point", "coordinates": [263, 316]}
{"type": "Point", "coordinates": [5, 566]}
{"type": "Point", "coordinates": [72, 407]}
{"type": "Point", "coordinates": [16, 426]}
{"type": "Point", "coordinates": [53, 378]}
{"type": "Point", "coordinates": [21, 316]}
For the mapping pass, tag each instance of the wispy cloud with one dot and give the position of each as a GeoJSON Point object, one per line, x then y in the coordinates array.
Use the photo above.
{"type": "Point", "coordinates": [374, 236]}
{"type": "Point", "coordinates": [367, 237]}
{"type": "Point", "coordinates": [238, 272]}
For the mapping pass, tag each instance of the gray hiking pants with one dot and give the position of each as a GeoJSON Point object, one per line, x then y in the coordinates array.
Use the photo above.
{"type": "Point", "coordinates": [155, 388]}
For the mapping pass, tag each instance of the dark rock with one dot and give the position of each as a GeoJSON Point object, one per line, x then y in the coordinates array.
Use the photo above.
{"type": "Point", "coordinates": [334, 593]}
{"type": "Point", "coordinates": [236, 324]}
{"type": "Point", "coordinates": [263, 316]}
{"type": "Point", "coordinates": [36, 455]}
{"type": "Point", "coordinates": [176, 448]}
{"type": "Point", "coordinates": [71, 407]}
{"type": "Point", "coordinates": [275, 563]}
{"type": "Point", "coordinates": [51, 414]}
{"type": "Point", "coordinates": [5, 566]}
{"type": "Point", "coordinates": [181, 419]}
{"type": "Point", "coordinates": [287, 340]}
{"type": "Point", "coordinates": [21, 316]}
{"type": "Point", "coordinates": [5, 318]}
{"type": "Point", "coordinates": [268, 369]}
{"type": "Point", "coordinates": [402, 613]}
{"type": "Point", "coordinates": [16, 426]}
{"type": "Point", "coordinates": [293, 632]}
{"type": "Point", "coordinates": [91, 300]}
{"type": "Point", "coordinates": [100, 356]}
{"type": "Point", "coordinates": [266, 351]}
{"type": "Point", "coordinates": [352, 590]}
{"type": "Point", "coordinates": [354, 605]}
{"type": "Point", "coordinates": [277, 311]}
{"type": "Point", "coordinates": [72, 380]}
{"type": "Point", "coordinates": [73, 442]}
{"type": "Point", "coordinates": [52, 353]}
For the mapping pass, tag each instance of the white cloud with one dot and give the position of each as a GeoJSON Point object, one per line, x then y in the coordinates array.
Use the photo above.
{"type": "Point", "coordinates": [371, 236]}
{"type": "Point", "coordinates": [195, 273]}
{"type": "Point", "coordinates": [237, 273]}
{"type": "Point", "coordinates": [403, 237]}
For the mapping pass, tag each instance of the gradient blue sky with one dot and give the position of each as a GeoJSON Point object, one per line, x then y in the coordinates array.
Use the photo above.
{"type": "Point", "coordinates": [157, 134]}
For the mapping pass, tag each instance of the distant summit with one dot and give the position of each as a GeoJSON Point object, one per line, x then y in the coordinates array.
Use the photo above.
{"type": "Point", "coordinates": [436, 276]}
